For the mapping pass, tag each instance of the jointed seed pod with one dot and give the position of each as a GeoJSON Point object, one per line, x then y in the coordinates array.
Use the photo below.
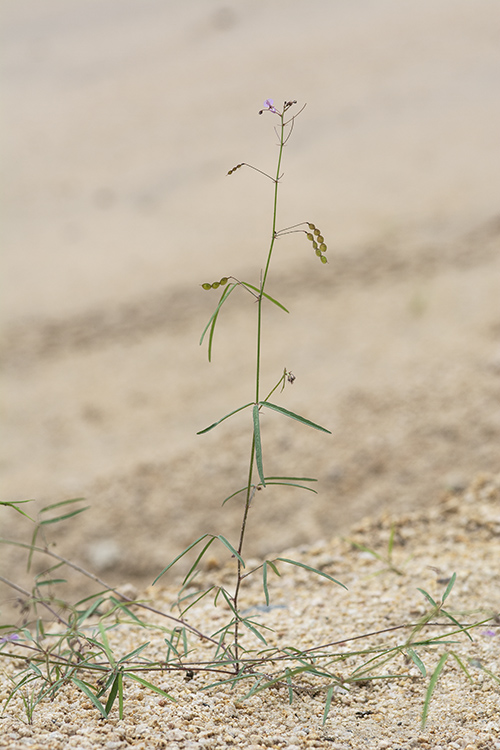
{"type": "Point", "coordinates": [324, 259]}
{"type": "Point", "coordinates": [216, 285]}
{"type": "Point", "coordinates": [323, 247]}
{"type": "Point", "coordinates": [223, 281]}
{"type": "Point", "coordinates": [206, 286]}
{"type": "Point", "coordinates": [235, 168]}
{"type": "Point", "coordinates": [309, 236]}
{"type": "Point", "coordinates": [311, 227]}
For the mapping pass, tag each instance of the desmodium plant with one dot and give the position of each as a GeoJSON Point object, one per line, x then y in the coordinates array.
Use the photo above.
{"type": "Point", "coordinates": [256, 476]}
{"type": "Point", "coordinates": [58, 644]}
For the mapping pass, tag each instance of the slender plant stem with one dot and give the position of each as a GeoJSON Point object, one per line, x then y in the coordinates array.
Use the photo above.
{"type": "Point", "coordinates": [249, 488]}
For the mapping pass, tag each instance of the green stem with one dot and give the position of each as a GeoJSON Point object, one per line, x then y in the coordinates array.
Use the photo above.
{"type": "Point", "coordinates": [249, 492]}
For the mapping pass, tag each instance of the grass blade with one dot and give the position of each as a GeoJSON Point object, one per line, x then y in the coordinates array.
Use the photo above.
{"type": "Point", "coordinates": [292, 415]}
{"type": "Point", "coordinates": [430, 689]}
{"type": "Point", "coordinates": [90, 695]}
{"type": "Point", "coordinates": [329, 696]}
{"type": "Point", "coordinates": [150, 685]}
{"type": "Point", "coordinates": [258, 444]}
{"type": "Point", "coordinates": [449, 587]}
{"type": "Point", "coordinates": [113, 693]}
{"type": "Point", "coordinates": [417, 661]}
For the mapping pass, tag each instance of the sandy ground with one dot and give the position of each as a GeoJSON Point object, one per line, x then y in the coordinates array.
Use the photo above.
{"type": "Point", "coordinates": [459, 535]}
{"type": "Point", "coordinates": [121, 121]}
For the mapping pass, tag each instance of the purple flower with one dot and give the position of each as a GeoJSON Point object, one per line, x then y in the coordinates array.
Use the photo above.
{"type": "Point", "coordinates": [9, 638]}
{"type": "Point", "coordinates": [489, 632]}
{"type": "Point", "coordinates": [269, 104]}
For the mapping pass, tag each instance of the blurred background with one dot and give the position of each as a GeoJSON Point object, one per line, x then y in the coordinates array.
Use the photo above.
{"type": "Point", "coordinates": [121, 119]}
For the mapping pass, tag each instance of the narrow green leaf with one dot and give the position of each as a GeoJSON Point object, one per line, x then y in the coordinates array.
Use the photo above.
{"type": "Point", "coordinates": [258, 444]}
{"type": "Point", "coordinates": [312, 570]}
{"type": "Point", "coordinates": [292, 415]}
{"type": "Point", "coordinates": [455, 622]}
{"type": "Point", "coordinates": [329, 696]}
{"type": "Point", "coordinates": [449, 587]}
{"type": "Point", "coordinates": [112, 693]}
{"type": "Point", "coordinates": [264, 582]}
{"type": "Point", "coordinates": [82, 616]}
{"type": "Point", "coordinates": [416, 660]}
{"type": "Point", "coordinates": [120, 695]}
{"type": "Point", "coordinates": [105, 644]}
{"type": "Point", "coordinates": [88, 692]}
{"type": "Point", "coordinates": [254, 630]}
{"type": "Point", "coordinates": [230, 548]}
{"type": "Point", "coordinates": [213, 320]}
{"type": "Point", "coordinates": [149, 685]}
{"type": "Point", "coordinates": [292, 484]}
{"type": "Point", "coordinates": [64, 517]}
{"type": "Point", "coordinates": [225, 293]}
{"type": "Point", "coordinates": [179, 557]}
{"type": "Point", "coordinates": [133, 653]}
{"type": "Point", "coordinates": [195, 564]}
{"type": "Point", "coordinates": [430, 689]}
{"type": "Point", "coordinates": [293, 479]}
{"type": "Point", "coordinates": [117, 604]}
{"type": "Point", "coordinates": [62, 503]}
{"type": "Point", "coordinates": [52, 581]}
{"type": "Point", "coordinates": [210, 427]}
{"type": "Point", "coordinates": [264, 294]}
{"type": "Point", "coordinates": [462, 666]}
{"type": "Point", "coordinates": [238, 492]}
{"type": "Point", "coordinates": [427, 596]}
{"type": "Point", "coordinates": [14, 505]}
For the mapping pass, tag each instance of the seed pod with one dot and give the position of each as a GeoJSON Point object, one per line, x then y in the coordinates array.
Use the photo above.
{"type": "Point", "coordinates": [318, 252]}
{"type": "Point", "coordinates": [324, 259]}
{"type": "Point", "coordinates": [317, 232]}
{"type": "Point", "coordinates": [206, 286]}
{"type": "Point", "coordinates": [223, 281]}
{"type": "Point", "coordinates": [309, 236]}
{"type": "Point", "coordinates": [235, 168]}
{"type": "Point", "coordinates": [311, 227]}
{"type": "Point", "coordinates": [323, 247]}
{"type": "Point", "coordinates": [320, 238]}
{"type": "Point", "coordinates": [216, 285]}
{"type": "Point", "coordinates": [315, 244]}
